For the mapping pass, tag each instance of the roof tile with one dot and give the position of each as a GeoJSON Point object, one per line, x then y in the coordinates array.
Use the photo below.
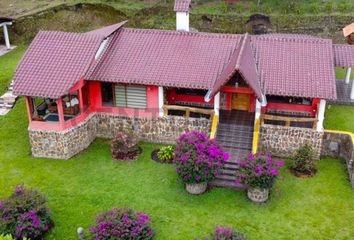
{"type": "Point", "coordinates": [182, 5]}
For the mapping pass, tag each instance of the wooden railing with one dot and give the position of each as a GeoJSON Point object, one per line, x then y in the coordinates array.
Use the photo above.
{"type": "Point", "coordinates": [289, 120]}
{"type": "Point", "coordinates": [188, 110]}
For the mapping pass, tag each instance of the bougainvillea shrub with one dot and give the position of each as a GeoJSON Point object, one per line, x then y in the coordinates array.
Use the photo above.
{"type": "Point", "coordinates": [125, 146]}
{"type": "Point", "coordinates": [224, 233]}
{"type": "Point", "coordinates": [25, 214]}
{"type": "Point", "coordinates": [198, 159]}
{"type": "Point", "coordinates": [258, 170]}
{"type": "Point", "coordinates": [122, 224]}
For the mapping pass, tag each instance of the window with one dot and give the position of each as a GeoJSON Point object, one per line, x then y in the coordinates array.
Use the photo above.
{"type": "Point", "coordinates": [289, 100]}
{"type": "Point", "coordinates": [192, 92]}
{"type": "Point", "coordinates": [130, 96]}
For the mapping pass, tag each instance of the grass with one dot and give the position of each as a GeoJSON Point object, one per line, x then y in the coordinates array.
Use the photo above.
{"type": "Point", "coordinates": [77, 189]}
{"type": "Point", "coordinates": [8, 64]}
{"type": "Point", "coordinates": [339, 118]}
{"type": "Point", "coordinates": [318, 208]}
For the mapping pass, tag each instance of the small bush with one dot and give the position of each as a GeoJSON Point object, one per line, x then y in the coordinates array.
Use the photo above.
{"type": "Point", "coordinates": [25, 214]}
{"type": "Point", "coordinates": [165, 154]}
{"type": "Point", "coordinates": [223, 233]}
{"type": "Point", "coordinates": [303, 161]}
{"type": "Point", "coordinates": [198, 159]}
{"type": "Point", "coordinates": [8, 237]}
{"type": "Point", "coordinates": [123, 224]}
{"type": "Point", "coordinates": [125, 146]}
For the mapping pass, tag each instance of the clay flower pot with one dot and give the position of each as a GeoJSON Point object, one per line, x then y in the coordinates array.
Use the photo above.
{"type": "Point", "coordinates": [196, 188]}
{"type": "Point", "coordinates": [258, 195]}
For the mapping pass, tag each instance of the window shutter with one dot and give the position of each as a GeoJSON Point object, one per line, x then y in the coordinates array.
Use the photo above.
{"type": "Point", "coordinates": [136, 97]}
{"type": "Point", "coordinates": [121, 98]}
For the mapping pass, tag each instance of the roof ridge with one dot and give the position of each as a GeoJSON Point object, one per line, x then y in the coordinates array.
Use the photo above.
{"type": "Point", "coordinates": [175, 32]}
{"type": "Point", "coordinates": [238, 63]}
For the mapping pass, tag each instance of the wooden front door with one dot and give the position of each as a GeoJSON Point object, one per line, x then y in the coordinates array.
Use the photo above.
{"type": "Point", "coordinates": [241, 101]}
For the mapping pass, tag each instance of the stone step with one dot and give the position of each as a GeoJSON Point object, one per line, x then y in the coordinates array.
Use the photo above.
{"type": "Point", "coordinates": [234, 127]}
{"type": "Point", "coordinates": [231, 165]}
{"type": "Point", "coordinates": [239, 134]}
{"type": "Point", "coordinates": [226, 141]}
{"type": "Point", "coordinates": [226, 184]}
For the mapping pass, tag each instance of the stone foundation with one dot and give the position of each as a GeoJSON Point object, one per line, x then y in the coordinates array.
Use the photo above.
{"type": "Point", "coordinates": [283, 142]}
{"type": "Point", "coordinates": [67, 143]}
{"type": "Point", "coordinates": [340, 145]}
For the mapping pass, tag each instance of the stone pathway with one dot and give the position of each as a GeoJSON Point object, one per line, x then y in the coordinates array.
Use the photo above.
{"type": "Point", "coordinates": [4, 50]}
{"type": "Point", "coordinates": [7, 101]}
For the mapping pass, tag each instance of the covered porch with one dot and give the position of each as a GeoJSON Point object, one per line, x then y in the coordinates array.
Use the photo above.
{"type": "Point", "coordinates": [62, 113]}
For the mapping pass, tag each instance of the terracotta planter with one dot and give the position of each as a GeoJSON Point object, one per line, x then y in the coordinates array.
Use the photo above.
{"type": "Point", "coordinates": [196, 188]}
{"type": "Point", "coordinates": [258, 195]}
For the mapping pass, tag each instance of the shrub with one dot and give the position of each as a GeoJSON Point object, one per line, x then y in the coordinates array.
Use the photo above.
{"type": "Point", "coordinates": [303, 161]}
{"type": "Point", "coordinates": [25, 214]}
{"type": "Point", "coordinates": [8, 237]}
{"type": "Point", "coordinates": [165, 154]}
{"type": "Point", "coordinates": [198, 159]}
{"type": "Point", "coordinates": [223, 233]}
{"type": "Point", "coordinates": [259, 171]}
{"type": "Point", "coordinates": [123, 224]}
{"type": "Point", "coordinates": [125, 146]}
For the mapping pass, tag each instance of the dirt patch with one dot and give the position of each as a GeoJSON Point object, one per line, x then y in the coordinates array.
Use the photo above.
{"type": "Point", "coordinates": [307, 174]}
{"type": "Point", "coordinates": [157, 159]}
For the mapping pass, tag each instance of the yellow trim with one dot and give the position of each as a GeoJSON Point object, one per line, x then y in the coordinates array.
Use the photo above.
{"type": "Point", "coordinates": [213, 126]}
{"type": "Point", "coordinates": [255, 136]}
{"type": "Point", "coordinates": [343, 132]}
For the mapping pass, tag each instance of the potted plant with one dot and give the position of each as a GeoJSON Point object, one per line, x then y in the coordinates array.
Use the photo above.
{"type": "Point", "coordinates": [198, 160]}
{"type": "Point", "coordinates": [304, 164]}
{"type": "Point", "coordinates": [258, 172]}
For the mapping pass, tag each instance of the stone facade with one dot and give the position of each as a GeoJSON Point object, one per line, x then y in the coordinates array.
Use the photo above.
{"type": "Point", "coordinates": [340, 145]}
{"type": "Point", "coordinates": [67, 143]}
{"type": "Point", "coordinates": [284, 141]}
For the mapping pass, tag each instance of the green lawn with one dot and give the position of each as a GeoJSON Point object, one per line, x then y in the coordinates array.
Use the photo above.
{"type": "Point", "coordinates": [339, 118]}
{"type": "Point", "coordinates": [317, 208]}
{"type": "Point", "coordinates": [77, 189]}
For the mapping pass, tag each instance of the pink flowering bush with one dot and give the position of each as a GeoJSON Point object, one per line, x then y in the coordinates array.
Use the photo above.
{"type": "Point", "coordinates": [259, 170]}
{"type": "Point", "coordinates": [123, 224]}
{"type": "Point", "coordinates": [223, 233]}
{"type": "Point", "coordinates": [25, 214]}
{"type": "Point", "coordinates": [198, 159]}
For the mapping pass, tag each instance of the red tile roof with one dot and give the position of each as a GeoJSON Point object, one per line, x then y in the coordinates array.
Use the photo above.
{"type": "Point", "coordinates": [242, 60]}
{"type": "Point", "coordinates": [343, 55]}
{"type": "Point", "coordinates": [295, 65]}
{"type": "Point", "coordinates": [108, 30]}
{"type": "Point", "coordinates": [54, 62]}
{"type": "Point", "coordinates": [165, 58]}
{"type": "Point", "coordinates": [182, 5]}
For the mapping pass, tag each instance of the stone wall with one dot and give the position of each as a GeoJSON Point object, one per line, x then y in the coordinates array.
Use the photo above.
{"type": "Point", "coordinates": [63, 144]}
{"type": "Point", "coordinates": [67, 143]}
{"type": "Point", "coordinates": [340, 145]}
{"type": "Point", "coordinates": [283, 142]}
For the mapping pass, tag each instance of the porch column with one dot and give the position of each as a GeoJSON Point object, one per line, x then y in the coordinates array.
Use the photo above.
{"type": "Point", "coordinates": [28, 106]}
{"type": "Point", "coordinates": [161, 101]}
{"type": "Point", "coordinates": [347, 75]}
{"type": "Point", "coordinates": [182, 21]}
{"type": "Point", "coordinates": [217, 104]}
{"type": "Point", "coordinates": [81, 103]}
{"type": "Point", "coordinates": [352, 92]}
{"type": "Point", "coordinates": [6, 36]}
{"type": "Point", "coordinates": [258, 109]}
{"type": "Point", "coordinates": [60, 111]}
{"type": "Point", "coordinates": [320, 114]}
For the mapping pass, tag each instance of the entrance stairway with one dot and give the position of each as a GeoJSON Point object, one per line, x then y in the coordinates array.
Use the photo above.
{"type": "Point", "coordinates": [7, 101]}
{"type": "Point", "coordinates": [235, 135]}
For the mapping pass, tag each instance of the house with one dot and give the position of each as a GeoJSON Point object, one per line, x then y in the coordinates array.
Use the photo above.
{"type": "Point", "coordinates": [250, 89]}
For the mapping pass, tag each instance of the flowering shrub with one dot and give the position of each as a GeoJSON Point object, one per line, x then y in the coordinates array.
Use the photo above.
{"type": "Point", "coordinates": [259, 170]}
{"type": "Point", "coordinates": [123, 224]}
{"type": "Point", "coordinates": [223, 233]}
{"type": "Point", "coordinates": [198, 159]}
{"type": "Point", "coordinates": [25, 214]}
{"type": "Point", "coordinates": [125, 146]}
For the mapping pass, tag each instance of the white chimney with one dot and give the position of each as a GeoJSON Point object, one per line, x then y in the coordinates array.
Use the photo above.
{"type": "Point", "coordinates": [182, 14]}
